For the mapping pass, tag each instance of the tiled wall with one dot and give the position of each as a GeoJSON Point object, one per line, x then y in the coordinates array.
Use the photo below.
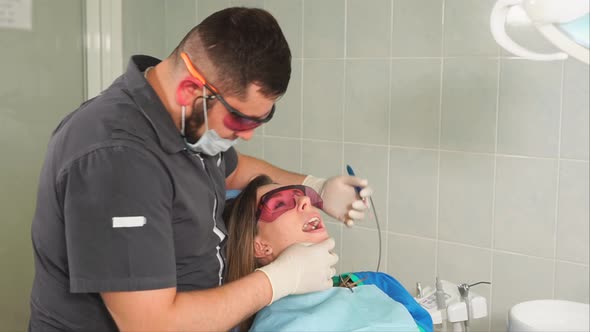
{"type": "Point", "coordinates": [479, 161]}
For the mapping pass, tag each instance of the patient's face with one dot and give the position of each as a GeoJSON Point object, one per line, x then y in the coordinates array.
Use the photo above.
{"type": "Point", "coordinates": [302, 223]}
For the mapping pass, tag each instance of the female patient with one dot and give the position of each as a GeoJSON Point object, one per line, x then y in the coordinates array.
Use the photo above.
{"type": "Point", "coordinates": [266, 218]}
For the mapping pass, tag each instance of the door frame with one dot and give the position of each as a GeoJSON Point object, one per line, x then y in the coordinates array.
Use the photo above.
{"type": "Point", "coordinates": [103, 44]}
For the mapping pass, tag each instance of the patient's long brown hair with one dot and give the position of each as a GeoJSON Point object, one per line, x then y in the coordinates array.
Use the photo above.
{"type": "Point", "coordinates": [240, 216]}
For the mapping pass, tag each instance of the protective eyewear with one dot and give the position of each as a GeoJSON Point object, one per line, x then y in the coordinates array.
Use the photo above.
{"type": "Point", "coordinates": [278, 201]}
{"type": "Point", "coordinates": [235, 120]}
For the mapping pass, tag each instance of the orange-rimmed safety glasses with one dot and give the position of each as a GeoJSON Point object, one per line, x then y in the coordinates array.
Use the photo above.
{"type": "Point", "coordinates": [235, 120]}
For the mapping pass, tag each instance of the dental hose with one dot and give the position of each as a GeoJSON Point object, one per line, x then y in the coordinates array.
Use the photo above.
{"type": "Point", "coordinates": [378, 232]}
{"type": "Point", "coordinates": [358, 190]}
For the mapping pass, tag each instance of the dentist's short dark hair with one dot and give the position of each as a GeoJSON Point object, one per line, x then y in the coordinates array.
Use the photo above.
{"type": "Point", "coordinates": [245, 46]}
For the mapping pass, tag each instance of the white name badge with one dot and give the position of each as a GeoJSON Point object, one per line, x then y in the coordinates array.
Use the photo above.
{"type": "Point", "coordinates": [119, 222]}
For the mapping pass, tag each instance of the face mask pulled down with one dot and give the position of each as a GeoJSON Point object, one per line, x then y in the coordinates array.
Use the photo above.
{"type": "Point", "coordinates": [210, 143]}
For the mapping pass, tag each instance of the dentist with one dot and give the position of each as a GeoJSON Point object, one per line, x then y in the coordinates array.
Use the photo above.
{"type": "Point", "coordinates": [128, 231]}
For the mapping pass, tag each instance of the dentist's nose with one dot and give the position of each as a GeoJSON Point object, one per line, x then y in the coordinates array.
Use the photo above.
{"type": "Point", "coordinates": [246, 135]}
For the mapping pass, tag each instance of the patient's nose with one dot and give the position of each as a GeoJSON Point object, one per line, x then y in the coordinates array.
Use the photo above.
{"type": "Point", "coordinates": [303, 203]}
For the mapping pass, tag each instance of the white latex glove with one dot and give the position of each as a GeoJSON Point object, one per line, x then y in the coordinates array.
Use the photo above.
{"type": "Point", "coordinates": [341, 200]}
{"type": "Point", "coordinates": [302, 268]}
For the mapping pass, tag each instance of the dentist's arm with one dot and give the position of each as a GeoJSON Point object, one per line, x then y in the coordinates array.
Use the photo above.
{"type": "Point", "coordinates": [213, 309]}
{"type": "Point", "coordinates": [301, 268]}
{"type": "Point", "coordinates": [249, 167]}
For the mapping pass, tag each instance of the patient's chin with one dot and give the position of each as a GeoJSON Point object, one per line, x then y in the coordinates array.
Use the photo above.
{"type": "Point", "coordinates": [319, 235]}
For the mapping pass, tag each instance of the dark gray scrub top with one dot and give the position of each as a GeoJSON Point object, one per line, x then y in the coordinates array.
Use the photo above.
{"type": "Point", "coordinates": [120, 156]}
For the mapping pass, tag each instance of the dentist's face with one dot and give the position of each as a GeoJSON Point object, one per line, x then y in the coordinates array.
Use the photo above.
{"type": "Point", "coordinates": [194, 121]}
{"type": "Point", "coordinates": [254, 104]}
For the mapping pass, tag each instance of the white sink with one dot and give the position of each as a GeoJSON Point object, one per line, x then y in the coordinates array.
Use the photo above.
{"type": "Point", "coordinates": [549, 315]}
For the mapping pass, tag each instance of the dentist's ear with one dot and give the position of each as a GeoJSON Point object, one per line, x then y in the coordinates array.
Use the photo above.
{"type": "Point", "coordinates": [187, 89]}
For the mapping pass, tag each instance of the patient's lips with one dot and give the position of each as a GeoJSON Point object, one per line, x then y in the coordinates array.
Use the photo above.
{"type": "Point", "coordinates": [313, 224]}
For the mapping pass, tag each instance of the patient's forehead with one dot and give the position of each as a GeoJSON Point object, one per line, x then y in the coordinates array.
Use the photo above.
{"type": "Point", "coordinates": [266, 188]}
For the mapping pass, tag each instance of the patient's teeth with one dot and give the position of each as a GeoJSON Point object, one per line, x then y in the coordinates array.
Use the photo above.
{"type": "Point", "coordinates": [311, 225]}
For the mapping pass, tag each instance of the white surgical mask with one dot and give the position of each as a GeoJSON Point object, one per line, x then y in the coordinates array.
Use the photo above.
{"type": "Point", "coordinates": [210, 143]}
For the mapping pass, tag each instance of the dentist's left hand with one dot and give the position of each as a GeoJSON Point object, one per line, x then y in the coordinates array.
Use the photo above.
{"type": "Point", "coordinates": [302, 268]}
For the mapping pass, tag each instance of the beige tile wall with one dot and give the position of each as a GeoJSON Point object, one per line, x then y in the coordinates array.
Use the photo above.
{"type": "Point", "coordinates": [479, 161]}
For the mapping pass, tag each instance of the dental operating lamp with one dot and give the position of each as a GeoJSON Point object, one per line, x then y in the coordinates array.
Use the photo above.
{"type": "Point", "coordinates": [564, 23]}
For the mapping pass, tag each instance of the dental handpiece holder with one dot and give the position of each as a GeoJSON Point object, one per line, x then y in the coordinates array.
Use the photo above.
{"type": "Point", "coordinates": [452, 306]}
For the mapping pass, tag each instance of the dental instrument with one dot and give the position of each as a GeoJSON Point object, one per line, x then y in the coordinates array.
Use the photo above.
{"type": "Point", "coordinates": [453, 306]}
{"type": "Point", "coordinates": [464, 292]}
{"type": "Point", "coordinates": [350, 172]}
{"type": "Point", "coordinates": [441, 303]}
{"type": "Point", "coordinates": [346, 282]}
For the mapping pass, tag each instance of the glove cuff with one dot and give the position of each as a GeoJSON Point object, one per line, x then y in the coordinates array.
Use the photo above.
{"type": "Point", "coordinates": [267, 270]}
{"type": "Point", "coordinates": [316, 183]}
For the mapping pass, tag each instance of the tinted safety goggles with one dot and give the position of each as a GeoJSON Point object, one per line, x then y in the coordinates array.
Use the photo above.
{"type": "Point", "coordinates": [278, 201]}
{"type": "Point", "coordinates": [235, 120]}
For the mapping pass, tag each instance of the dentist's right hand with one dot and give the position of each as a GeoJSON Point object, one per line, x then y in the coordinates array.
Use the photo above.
{"type": "Point", "coordinates": [302, 268]}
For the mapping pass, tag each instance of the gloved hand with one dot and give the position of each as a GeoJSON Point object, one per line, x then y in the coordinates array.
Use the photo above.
{"type": "Point", "coordinates": [302, 268]}
{"type": "Point", "coordinates": [340, 198]}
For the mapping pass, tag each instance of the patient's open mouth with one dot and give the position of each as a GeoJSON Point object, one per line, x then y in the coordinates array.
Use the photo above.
{"type": "Point", "coordinates": [313, 224]}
